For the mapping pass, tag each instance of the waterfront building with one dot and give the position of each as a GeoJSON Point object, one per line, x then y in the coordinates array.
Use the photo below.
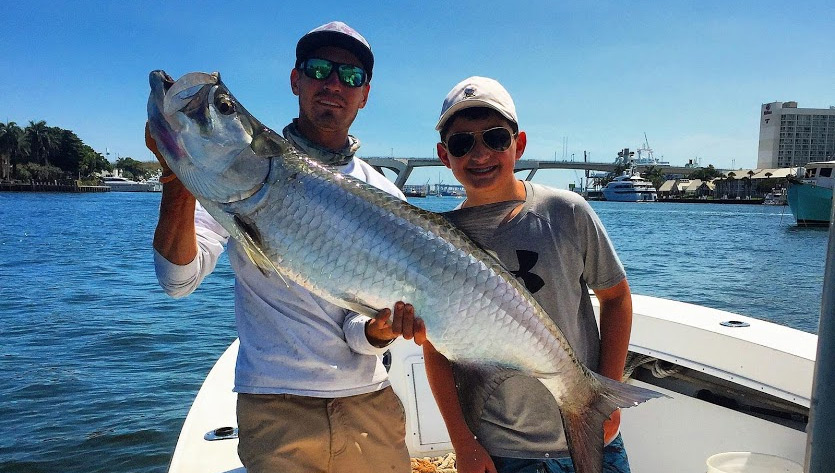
{"type": "Point", "coordinates": [747, 183]}
{"type": "Point", "coordinates": [792, 136]}
{"type": "Point", "coordinates": [666, 190]}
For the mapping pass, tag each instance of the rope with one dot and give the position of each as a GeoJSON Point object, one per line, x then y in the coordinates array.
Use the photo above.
{"type": "Point", "coordinates": [658, 368]}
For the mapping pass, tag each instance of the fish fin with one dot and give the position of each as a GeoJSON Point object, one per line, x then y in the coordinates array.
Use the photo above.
{"type": "Point", "coordinates": [480, 382]}
{"type": "Point", "coordinates": [480, 223]}
{"type": "Point", "coordinates": [585, 441]}
{"type": "Point", "coordinates": [584, 424]}
{"type": "Point", "coordinates": [253, 250]}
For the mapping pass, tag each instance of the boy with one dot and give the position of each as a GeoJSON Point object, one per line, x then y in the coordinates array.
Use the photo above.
{"type": "Point", "coordinates": [555, 244]}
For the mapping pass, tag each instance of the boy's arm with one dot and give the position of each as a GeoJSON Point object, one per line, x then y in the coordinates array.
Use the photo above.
{"type": "Point", "coordinates": [615, 329]}
{"type": "Point", "coordinates": [470, 455]}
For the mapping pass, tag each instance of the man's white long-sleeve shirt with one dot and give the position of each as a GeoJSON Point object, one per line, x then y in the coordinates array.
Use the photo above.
{"type": "Point", "coordinates": [291, 341]}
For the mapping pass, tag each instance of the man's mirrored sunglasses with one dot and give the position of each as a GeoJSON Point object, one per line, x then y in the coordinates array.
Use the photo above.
{"type": "Point", "coordinates": [497, 139]}
{"type": "Point", "coordinates": [321, 69]}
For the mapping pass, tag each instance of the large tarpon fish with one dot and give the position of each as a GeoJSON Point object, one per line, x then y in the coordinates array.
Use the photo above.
{"type": "Point", "coordinates": [363, 249]}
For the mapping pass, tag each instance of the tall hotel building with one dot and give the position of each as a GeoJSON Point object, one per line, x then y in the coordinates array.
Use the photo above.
{"type": "Point", "coordinates": [791, 136]}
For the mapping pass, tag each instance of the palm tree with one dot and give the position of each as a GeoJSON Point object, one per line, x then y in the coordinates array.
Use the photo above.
{"type": "Point", "coordinates": [11, 137]}
{"type": "Point", "coordinates": [655, 175]}
{"type": "Point", "coordinates": [731, 177]}
{"type": "Point", "coordinates": [38, 138]}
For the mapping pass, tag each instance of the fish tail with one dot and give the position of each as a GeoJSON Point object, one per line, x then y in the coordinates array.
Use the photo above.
{"type": "Point", "coordinates": [584, 426]}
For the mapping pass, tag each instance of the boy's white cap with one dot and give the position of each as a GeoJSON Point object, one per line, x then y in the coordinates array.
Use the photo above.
{"type": "Point", "coordinates": [477, 92]}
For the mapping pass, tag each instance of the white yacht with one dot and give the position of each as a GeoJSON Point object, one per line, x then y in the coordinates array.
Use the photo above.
{"type": "Point", "coordinates": [630, 187]}
{"type": "Point", "coordinates": [121, 184]}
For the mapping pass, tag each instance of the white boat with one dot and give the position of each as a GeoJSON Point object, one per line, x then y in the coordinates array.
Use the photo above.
{"type": "Point", "coordinates": [736, 384]}
{"type": "Point", "coordinates": [121, 184]}
{"type": "Point", "coordinates": [630, 187]}
{"type": "Point", "coordinates": [810, 193]}
{"type": "Point", "coordinates": [777, 196]}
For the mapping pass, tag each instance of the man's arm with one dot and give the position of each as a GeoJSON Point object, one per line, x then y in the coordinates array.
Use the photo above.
{"type": "Point", "coordinates": [470, 455]}
{"type": "Point", "coordinates": [182, 258]}
{"type": "Point", "coordinates": [175, 238]}
{"type": "Point", "coordinates": [615, 329]}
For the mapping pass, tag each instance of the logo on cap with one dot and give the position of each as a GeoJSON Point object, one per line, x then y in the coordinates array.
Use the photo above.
{"type": "Point", "coordinates": [469, 92]}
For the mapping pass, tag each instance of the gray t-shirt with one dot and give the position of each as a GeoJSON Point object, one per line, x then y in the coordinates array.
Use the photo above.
{"type": "Point", "coordinates": [558, 248]}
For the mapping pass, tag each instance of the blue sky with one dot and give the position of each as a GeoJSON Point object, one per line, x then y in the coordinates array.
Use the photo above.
{"type": "Point", "coordinates": [588, 76]}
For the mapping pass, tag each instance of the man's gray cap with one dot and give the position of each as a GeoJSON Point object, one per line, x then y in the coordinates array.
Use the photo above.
{"type": "Point", "coordinates": [340, 35]}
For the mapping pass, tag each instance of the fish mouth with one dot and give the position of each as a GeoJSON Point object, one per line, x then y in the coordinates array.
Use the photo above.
{"type": "Point", "coordinates": [160, 82]}
{"type": "Point", "coordinates": [166, 80]}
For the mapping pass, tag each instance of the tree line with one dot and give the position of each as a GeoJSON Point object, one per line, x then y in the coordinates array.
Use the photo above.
{"type": "Point", "coordinates": [44, 153]}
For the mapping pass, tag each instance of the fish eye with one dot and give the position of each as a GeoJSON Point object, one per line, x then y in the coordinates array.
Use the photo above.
{"type": "Point", "coordinates": [224, 104]}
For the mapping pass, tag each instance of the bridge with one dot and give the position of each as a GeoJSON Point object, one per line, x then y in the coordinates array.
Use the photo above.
{"type": "Point", "coordinates": [403, 167]}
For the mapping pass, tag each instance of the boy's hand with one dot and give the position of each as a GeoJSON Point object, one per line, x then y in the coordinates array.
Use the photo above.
{"type": "Point", "coordinates": [473, 458]}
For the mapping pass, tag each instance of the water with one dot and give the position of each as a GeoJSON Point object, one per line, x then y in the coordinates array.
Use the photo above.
{"type": "Point", "coordinates": [99, 367]}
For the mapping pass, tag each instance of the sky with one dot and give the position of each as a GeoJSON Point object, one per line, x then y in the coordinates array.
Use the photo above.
{"type": "Point", "coordinates": [686, 78]}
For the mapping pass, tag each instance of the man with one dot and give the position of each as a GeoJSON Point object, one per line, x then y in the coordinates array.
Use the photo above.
{"type": "Point", "coordinates": [313, 395]}
{"type": "Point", "coordinates": [560, 249]}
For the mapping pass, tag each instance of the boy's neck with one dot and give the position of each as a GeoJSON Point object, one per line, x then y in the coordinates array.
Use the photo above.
{"type": "Point", "coordinates": [476, 197]}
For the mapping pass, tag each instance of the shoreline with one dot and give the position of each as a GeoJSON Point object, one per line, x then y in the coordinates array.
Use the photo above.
{"type": "Point", "coordinates": [754, 201]}
{"type": "Point", "coordinates": [49, 187]}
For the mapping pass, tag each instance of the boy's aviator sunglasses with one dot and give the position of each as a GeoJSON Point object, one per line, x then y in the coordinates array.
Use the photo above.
{"type": "Point", "coordinates": [497, 139]}
{"type": "Point", "coordinates": [321, 69]}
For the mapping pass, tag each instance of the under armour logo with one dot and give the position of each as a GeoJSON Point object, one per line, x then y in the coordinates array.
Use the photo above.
{"type": "Point", "coordinates": [527, 260]}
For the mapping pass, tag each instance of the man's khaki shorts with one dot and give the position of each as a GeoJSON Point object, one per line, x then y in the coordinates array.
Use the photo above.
{"type": "Point", "coordinates": [283, 433]}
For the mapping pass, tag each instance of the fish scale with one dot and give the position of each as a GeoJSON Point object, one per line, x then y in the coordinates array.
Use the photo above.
{"type": "Point", "coordinates": [362, 249]}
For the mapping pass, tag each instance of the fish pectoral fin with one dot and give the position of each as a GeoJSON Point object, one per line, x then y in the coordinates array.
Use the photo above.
{"type": "Point", "coordinates": [259, 259]}
{"type": "Point", "coordinates": [480, 223]}
{"type": "Point", "coordinates": [249, 238]}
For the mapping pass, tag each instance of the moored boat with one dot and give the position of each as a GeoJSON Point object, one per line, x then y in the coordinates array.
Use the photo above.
{"type": "Point", "coordinates": [630, 187]}
{"type": "Point", "coordinates": [777, 196]}
{"type": "Point", "coordinates": [810, 193]}
{"type": "Point", "coordinates": [416, 190]}
{"type": "Point", "coordinates": [121, 184]}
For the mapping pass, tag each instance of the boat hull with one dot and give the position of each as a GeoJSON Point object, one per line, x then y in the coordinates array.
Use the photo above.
{"type": "Point", "coordinates": [751, 391]}
{"type": "Point", "coordinates": [810, 204]}
{"type": "Point", "coordinates": [629, 196]}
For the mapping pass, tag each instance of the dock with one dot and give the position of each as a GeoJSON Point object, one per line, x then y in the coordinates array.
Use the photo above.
{"type": "Point", "coordinates": [54, 186]}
